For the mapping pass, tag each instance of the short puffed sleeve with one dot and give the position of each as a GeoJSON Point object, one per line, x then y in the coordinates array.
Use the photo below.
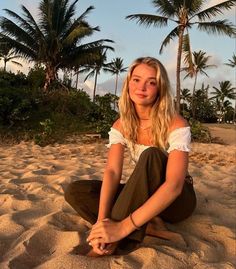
{"type": "Point", "coordinates": [180, 139]}
{"type": "Point", "coordinates": [115, 137]}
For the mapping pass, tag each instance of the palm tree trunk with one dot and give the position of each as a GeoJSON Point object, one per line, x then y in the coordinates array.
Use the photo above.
{"type": "Point", "coordinates": [5, 65]}
{"type": "Point", "coordinates": [178, 68]}
{"type": "Point", "coordinates": [193, 98]}
{"type": "Point", "coordinates": [116, 83]}
{"type": "Point", "coordinates": [77, 80]}
{"type": "Point", "coordinates": [95, 85]}
{"type": "Point", "coordinates": [51, 75]}
{"type": "Point", "coordinates": [234, 113]}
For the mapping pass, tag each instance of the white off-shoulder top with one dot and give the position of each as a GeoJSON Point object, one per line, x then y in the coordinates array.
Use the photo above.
{"type": "Point", "coordinates": [179, 139]}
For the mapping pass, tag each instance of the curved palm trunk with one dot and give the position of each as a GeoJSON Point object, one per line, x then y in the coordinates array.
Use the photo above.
{"type": "Point", "coordinates": [179, 54]}
{"type": "Point", "coordinates": [95, 85]}
{"type": "Point", "coordinates": [193, 97]}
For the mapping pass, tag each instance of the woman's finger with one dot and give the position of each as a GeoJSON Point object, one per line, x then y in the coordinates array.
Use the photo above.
{"type": "Point", "coordinates": [94, 235]}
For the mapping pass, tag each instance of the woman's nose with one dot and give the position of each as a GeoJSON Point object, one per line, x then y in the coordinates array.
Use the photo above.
{"type": "Point", "coordinates": [142, 86]}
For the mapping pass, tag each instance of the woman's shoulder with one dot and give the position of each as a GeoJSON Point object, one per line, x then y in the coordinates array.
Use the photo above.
{"type": "Point", "coordinates": [178, 122]}
{"type": "Point", "coordinates": [118, 125]}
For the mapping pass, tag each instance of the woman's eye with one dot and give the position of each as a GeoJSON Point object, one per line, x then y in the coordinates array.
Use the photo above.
{"type": "Point", "coordinates": [153, 83]}
{"type": "Point", "coordinates": [135, 79]}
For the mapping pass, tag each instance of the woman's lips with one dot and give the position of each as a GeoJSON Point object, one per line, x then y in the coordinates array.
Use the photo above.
{"type": "Point", "coordinates": [140, 95]}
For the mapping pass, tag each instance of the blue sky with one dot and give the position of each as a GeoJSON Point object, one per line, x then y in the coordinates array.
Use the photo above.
{"type": "Point", "coordinates": [132, 40]}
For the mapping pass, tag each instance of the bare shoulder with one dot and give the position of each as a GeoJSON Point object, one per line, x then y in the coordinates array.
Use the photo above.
{"type": "Point", "coordinates": [177, 122]}
{"type": "Point", "coordinates": [117, 125]}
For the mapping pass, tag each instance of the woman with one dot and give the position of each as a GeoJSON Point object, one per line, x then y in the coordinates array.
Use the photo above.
{"type": "Point", "coordinates": [159, 187]}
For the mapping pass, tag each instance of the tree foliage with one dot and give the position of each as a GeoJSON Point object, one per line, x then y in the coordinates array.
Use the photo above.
{"type": "Point", "coordinates": [55, 39]}
{"type": "Point", "coordinates": [186, 14]}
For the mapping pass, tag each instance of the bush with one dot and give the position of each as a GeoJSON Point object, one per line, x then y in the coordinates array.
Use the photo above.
{"type": "Point", "coordinates": [16, 105]}
{"type": "Point", "coordinates": [199, 133]}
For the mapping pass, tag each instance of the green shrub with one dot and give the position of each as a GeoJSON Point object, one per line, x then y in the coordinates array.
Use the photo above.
{"type": "Point", "coordinates": [16, 105]}
{"type": "Point", "coordinates": [199, 132]}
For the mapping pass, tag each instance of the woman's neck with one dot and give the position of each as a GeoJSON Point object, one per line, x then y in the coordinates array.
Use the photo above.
{"type": "Point", "coordinates": [143, 112]}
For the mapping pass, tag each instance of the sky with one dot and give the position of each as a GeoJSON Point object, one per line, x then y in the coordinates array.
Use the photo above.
{"type": "Point", "coordinates": [133, 41]}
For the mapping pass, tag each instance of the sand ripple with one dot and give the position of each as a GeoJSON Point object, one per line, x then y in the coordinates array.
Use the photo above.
{"type": "Point", "coordinates": [39, 230]}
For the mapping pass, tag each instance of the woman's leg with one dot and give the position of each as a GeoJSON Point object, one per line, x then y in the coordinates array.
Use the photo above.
{"type": "Point", "coordinates": [183, 206]}
{"type": "Point", "coordinates": [83, 196]}
{"type": "Point", "coordinates": [147, 177]}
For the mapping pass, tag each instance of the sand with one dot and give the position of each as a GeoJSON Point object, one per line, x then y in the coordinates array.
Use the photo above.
{"type": "Point", "coordinates": [38, 229]}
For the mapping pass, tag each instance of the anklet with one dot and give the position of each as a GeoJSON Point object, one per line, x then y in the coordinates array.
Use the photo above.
{"type": "Point", "coordinates": [136, 227]}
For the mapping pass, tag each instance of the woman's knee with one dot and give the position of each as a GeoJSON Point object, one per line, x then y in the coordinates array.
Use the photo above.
{"type": "Point", "coordinates": [68, 192]}
{"type": "Point", "coordinates": [153, 153]}
{"type": "Point", "coordinates": [75, 189]}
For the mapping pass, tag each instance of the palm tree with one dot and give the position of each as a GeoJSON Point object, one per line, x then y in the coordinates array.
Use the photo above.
{"type": "Point", "coordinates": [95, 69]}
{"type": "Point", "coordinates": [224, 91]}
{"type": "Point", "coordinates": [8, 55]}
{"type": "Point", "coordinates": [183, 13]}
{"type": "Point", "coordinates": [116, 67]}
{"type": "Point", "coordinates": [55, 39]}
{"type": "Point", "coordinates": [185, 95]}
{"type": "Point", "coordinates": [199, 64]}
{"type": "Point", "coordinates": [232, 63]}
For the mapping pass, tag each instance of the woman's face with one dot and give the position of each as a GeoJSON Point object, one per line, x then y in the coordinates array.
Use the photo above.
{"type": "Point", "coordinates": [143, 89]}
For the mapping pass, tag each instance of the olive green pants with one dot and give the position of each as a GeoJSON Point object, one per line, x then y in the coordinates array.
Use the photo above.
{"type": "Point", "coordinates": [146, 178]}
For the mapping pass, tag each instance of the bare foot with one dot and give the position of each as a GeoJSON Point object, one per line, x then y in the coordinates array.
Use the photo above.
{"type": "Point", "coordinates": [157, 228]}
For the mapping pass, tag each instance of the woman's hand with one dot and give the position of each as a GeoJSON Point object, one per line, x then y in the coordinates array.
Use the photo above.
{"type": "Point", "coordinates": [107, 231]}
{"type": "Point", "coordinates": [102, 249]}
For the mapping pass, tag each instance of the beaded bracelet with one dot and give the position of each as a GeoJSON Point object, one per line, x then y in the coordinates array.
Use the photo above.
{"type": "Point", "coordinates": [136, 227]}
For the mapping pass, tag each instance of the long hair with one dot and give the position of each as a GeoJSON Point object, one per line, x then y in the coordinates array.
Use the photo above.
{"type": "Point", "coordinates": [162, 112]}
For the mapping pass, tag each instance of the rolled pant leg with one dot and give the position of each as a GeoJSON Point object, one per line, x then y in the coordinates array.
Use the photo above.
{"type": "Point", "coordinates": [146, 178]}
{"type": "Point", "coordinates": [83, 196]}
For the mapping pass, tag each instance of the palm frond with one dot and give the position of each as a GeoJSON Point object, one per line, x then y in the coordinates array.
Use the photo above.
{"type": "Point", "coordinates": [13, 31]}
{"type": "Point", "coordinates": [22, 22]}
{"type": "Point", "coordinates": [78, 33]}
{"type": "Point", "coordinates": [174, 33]}
{"type": "Point", "coordinates": [91, 74]}
{"type": "Point", "coordinates": [19, 48]}
{"type": "Point", "coordinates": [85, 13]}
{"type": "Point", "coordinates": [166, 8]}
{"type": "Point", "coordinates": [70, 12]}
{"type": "Point", "coordinates": [221, 27]}
{"type": "Point", "coordinates": [188, 60]}
{"type": "Point", "coordinates": [17, 63]}
{"type": "Point", "coordinates": [215, 10]}
{"type": "Point", "coordinates": [232, 63]}
{"type": "Point", "coordinates": [147, 20]}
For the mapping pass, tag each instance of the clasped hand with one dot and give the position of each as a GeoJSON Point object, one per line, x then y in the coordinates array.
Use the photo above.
{"type": "Point", "coordinates": [105, 234]}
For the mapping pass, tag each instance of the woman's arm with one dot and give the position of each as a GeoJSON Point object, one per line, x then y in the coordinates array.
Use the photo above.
{"type": "Point", "coordinates": [109, 231]}
{"type": "Point", "coordinates": [111, 180]}
{"type": "Point", "coordinates": [176, 170]}
{"type": "Point", "coordinates": [175, 175]}
{"type": "Point", "coordinates": [165, 194]}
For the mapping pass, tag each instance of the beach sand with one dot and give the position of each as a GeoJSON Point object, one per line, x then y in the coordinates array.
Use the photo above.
{"type": "Point", "coordinates": [38, 229]}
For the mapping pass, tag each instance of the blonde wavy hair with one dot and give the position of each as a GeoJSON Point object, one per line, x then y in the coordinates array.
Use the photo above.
{"type": "Point", "coordinates": [162, 112]}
